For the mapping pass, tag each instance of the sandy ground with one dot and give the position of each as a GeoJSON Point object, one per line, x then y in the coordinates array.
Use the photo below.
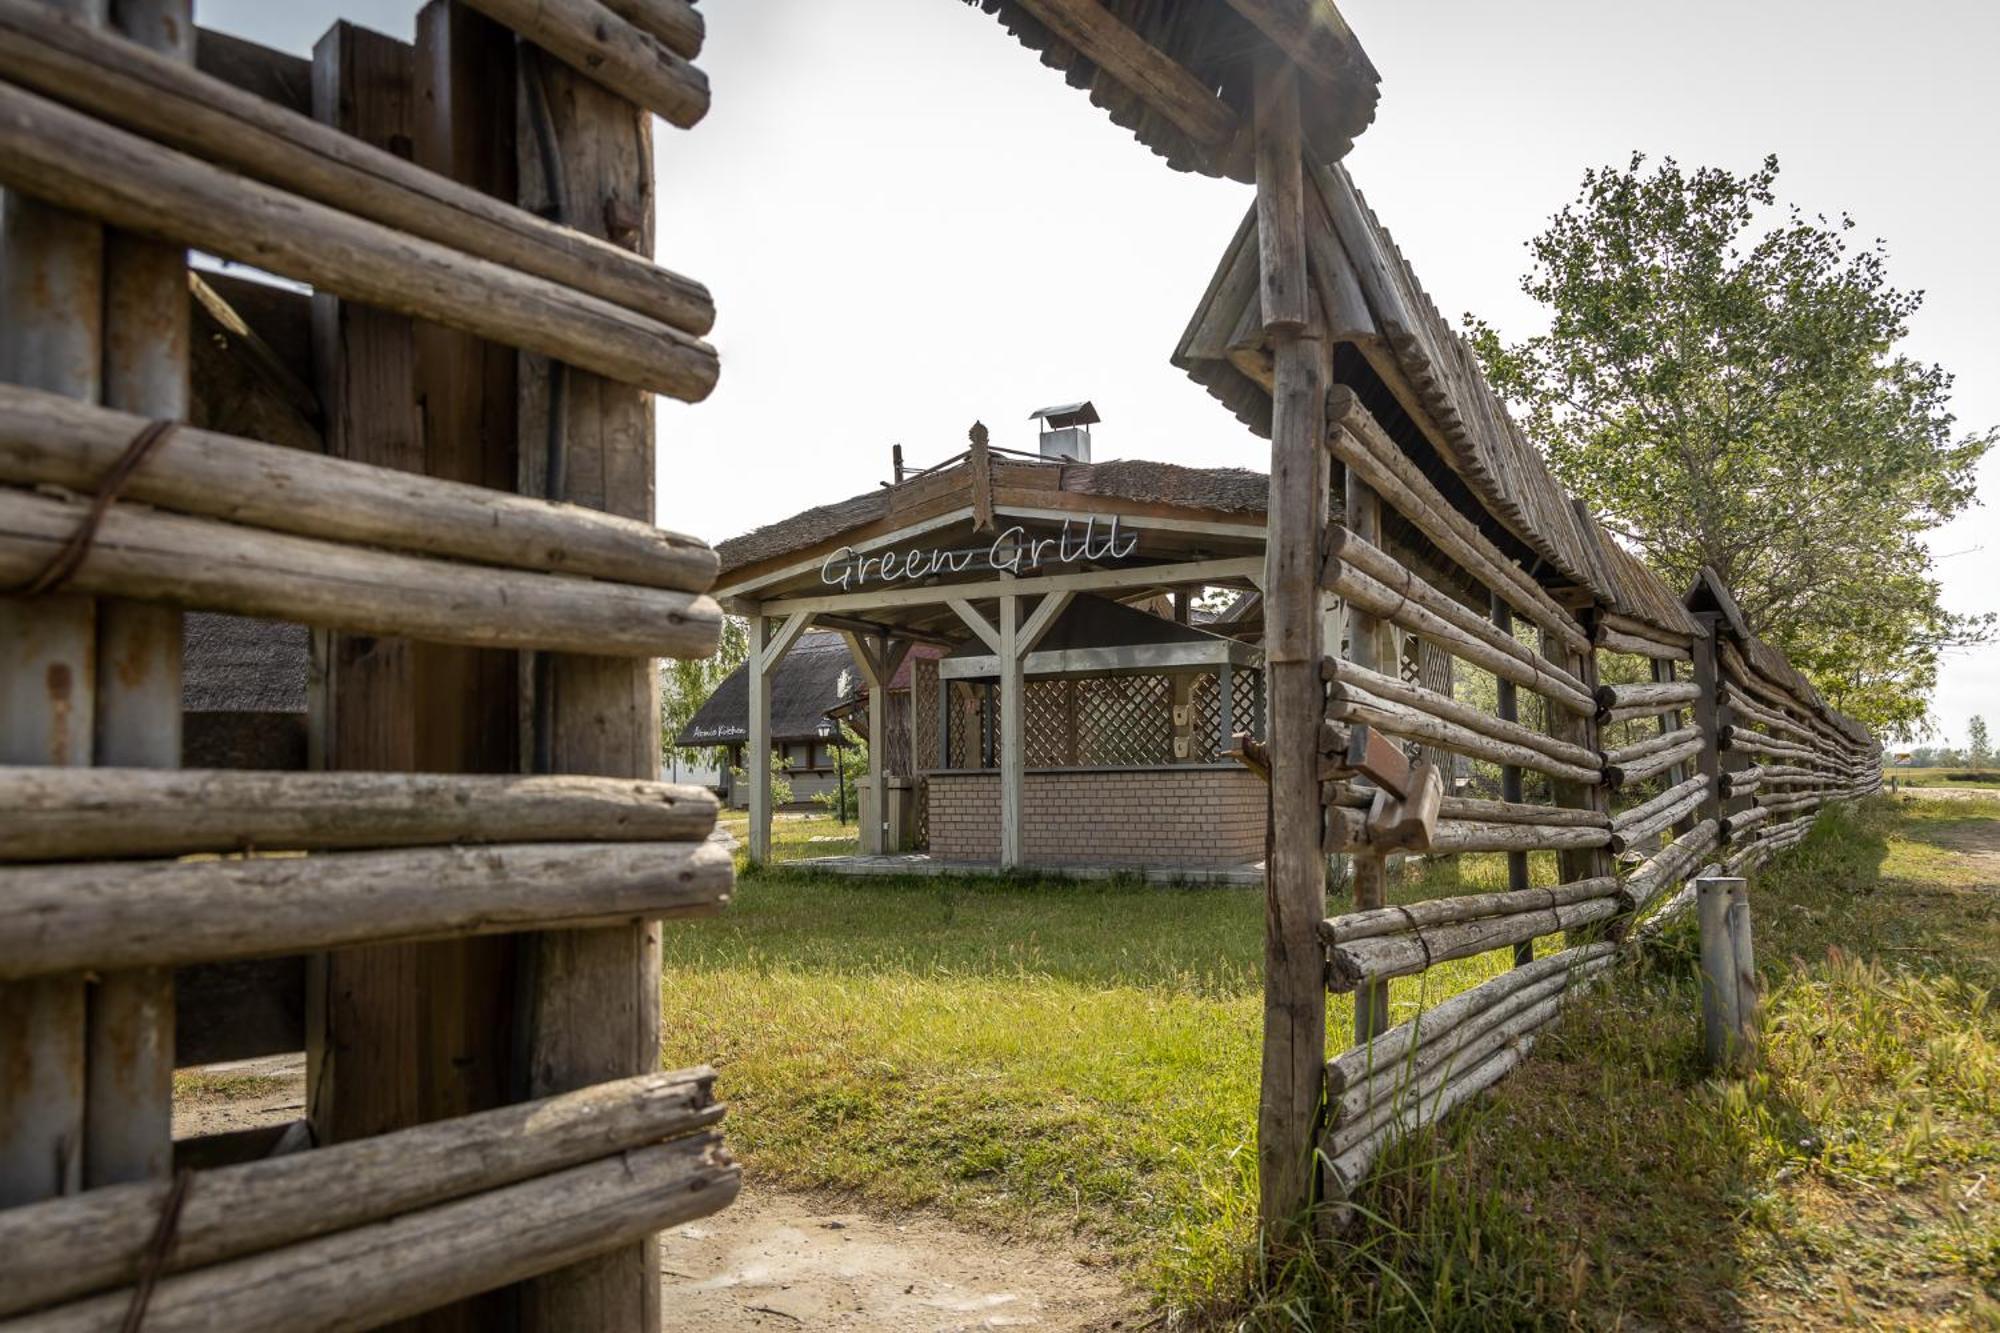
{"type": "Point", "coordinates": [778, 1260]}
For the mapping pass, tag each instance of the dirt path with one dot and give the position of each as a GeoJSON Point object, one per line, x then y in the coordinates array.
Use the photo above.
{"type": "Point", "coordinates": [777, 1260]}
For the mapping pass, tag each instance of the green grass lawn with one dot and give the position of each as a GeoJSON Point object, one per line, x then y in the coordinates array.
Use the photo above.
{"type": "Point", "coordinates": [1079, 1061]}
{"type": "Point", "coordinates": [1988, 779]}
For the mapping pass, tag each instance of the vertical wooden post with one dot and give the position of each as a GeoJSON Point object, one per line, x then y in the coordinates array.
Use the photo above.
{"type": "Point", "coordinates": [51, 337]}
{"type": "Point", "coordinates": [1719, 1020]}
{"type": "Point", "coordinates": [1013, 739]}
{"type": "Point", "coordinates": [128, 1109]}
{"type": "Point", "coordinates": [1711, 715]}
{"type": "Point", "coordinates": [1509, 709]}
{"type": "Point", "coordinates": [1742, 950]}
{"type": "Point", "coordinates": [1592, 862]}
{"type": "Point", "coordinates": [363, 1031]}
{"type": "Point", "coordinates": [592, 997]}
{"type": "Point", "coordinates": [757, 763]}
{"type": "Point", "coordinates": [1369, 644]}
{"type": "Point", "coordinates": [1294, 1055]}
{"type": "Point", "coordinates": [877, 657]}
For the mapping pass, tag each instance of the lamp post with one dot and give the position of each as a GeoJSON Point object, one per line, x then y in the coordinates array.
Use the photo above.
{"type": "Point", "coordinates": [839, 769]}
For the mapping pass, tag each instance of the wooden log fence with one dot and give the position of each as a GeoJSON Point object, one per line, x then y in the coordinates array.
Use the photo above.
{"type": "Point", "coordinates": [456, 295]}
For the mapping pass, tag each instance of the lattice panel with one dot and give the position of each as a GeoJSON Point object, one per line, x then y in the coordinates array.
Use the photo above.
{"type": "Point", "coordinates": [1248, 714]}
{"type": "Point", "coordinates": [1124, 720]}
{"type": "Point", "coordinates": [966, 729]}
{"type": "Point", "coordinates": [923, 714]}
{"type": "Point", "coordinates": [1204, 719]}
{"type": "Point", "coordinates": [1048, 723]}
{"type": "Point", "coordinates": [1426, 664]}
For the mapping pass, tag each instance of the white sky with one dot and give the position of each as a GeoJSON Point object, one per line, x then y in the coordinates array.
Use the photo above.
{"type": "Point", "coordinates": [909, 223]}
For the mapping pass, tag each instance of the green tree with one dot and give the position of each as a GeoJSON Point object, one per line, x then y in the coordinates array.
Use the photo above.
{"type": "Point", "coordinates": [1978, 750]}
{"type": "Point", "coordinates": [1722, 384]}
{"type": "Point", "coordinates": [686, 685]}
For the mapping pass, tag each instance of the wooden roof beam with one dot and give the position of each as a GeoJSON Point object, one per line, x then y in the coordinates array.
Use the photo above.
{"type": "Point", "coordinates": [1156, 78]}
{"type": "Point", "coordinates": [1314, 35]}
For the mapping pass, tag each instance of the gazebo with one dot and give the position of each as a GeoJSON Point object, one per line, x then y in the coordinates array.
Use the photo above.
{"type": "Point", "coordinates": [1083, 706]}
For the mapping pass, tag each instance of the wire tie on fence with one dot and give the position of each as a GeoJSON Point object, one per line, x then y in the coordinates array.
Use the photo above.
{"type": "Point", "coordinates": [1418, 931]}
{"type": "Point", "coordinates": [157, 1249]}
{"type": "Point", "coordinates": [66, 561]}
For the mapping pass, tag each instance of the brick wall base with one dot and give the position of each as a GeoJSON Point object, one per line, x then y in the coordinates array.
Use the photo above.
{"type": "Point", "coordinates": [1197, 817]}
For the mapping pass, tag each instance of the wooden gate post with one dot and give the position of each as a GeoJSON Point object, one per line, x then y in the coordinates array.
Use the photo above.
{"type": "Point", "coordinates": [1295, 871]}
{"type": "Point", "coordinates": [51, 336]}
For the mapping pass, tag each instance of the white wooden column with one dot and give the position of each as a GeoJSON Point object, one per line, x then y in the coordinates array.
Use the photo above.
{"type": "Point", "coordinates": [878, 659]}
{"type": "Point", "coordinates": [757, 749]}
{"type": "Point", "coordinates": [1013, 734]}
{"type": "Point", "coordinates": [768, 647]}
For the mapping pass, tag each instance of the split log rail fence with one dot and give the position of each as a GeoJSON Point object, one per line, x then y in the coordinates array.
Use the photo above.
{"type": "Point", "coordinates": [477, 873]}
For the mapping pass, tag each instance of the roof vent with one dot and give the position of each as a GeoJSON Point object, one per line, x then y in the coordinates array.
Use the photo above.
{"type": "Point", "coordinates": [1066, 430]}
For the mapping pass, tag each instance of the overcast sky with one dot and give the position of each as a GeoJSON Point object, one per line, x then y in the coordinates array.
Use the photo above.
{"type": "Point", "coordinates": [908, 223]}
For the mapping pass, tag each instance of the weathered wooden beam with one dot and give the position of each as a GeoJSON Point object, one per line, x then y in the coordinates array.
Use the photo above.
{"type": "Point", "coordinates": [79, 163]}
{"type": "Point", "coordinates": [271, 76]}
{"type": "Point", "coordinates": [376, 1273]}
{"type": "Point", "coordinates": [108, 813]}
{"type": "Point", "coordinates": [51, 337]}
{"type": "Point", "coordinates": [71, 1247]}
{"type": "Point", "coordinates": [590, 1000]}
{"type": "Point", "coordinates": [1153, 76]}
{"type": "Point", "coordinates": [1294, 1046]}
{"type": "Point", "coordinates": [59, 918]}
{"type": "Point", "coordinates": [186, 109]}
{"type": "Point", "coordinates": [1359, 441]}
{"type": "Point", "coordinates": [202, 564]}
{"type": "Point", "coordinates": [625, 60]}
{"type": "Point", "coordinates": [128, 1109]}
{"type": "Point", "coordinates": [46, 439]}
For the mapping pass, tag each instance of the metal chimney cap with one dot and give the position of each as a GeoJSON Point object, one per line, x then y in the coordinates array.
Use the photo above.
{"type": "Point", "coordinates": [1067, 414]}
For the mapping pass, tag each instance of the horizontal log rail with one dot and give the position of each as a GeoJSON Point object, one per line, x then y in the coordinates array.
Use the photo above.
{"type": "Point", "coordinates": [68, 1247]}
{"type": "Point", "coordinates": [50, 440]}
{"type": "Point", "coordinates": [123, 84]}
{"type": "Point", "coordinates": [1655, 695]}
{"type": "Point", "coordinates": [1463, 835]}
{"type": "Point", "coordinates": [1347, 547]}
{"type": "Point", "coordinates": [1393, 1048]}
{"type": "Point", "coordinates": [1619, 776]}
{"type": "Point", "coordinates": [593, 40]}
{"type": "Point", "coordinates": [1649, 745]}
{"type": "Point", "coordinates": [1348, 703]}
{"type": "Point", "coordinates": [1670, 864]}
{"type": "Point", "coordinates": [1745, 741]}
{"type": "Point", "coordinates": [1343, 793]}
{"type": "Point", "coordinates": [1670, 807]}
{"type": "Point", "coordinates": [1364, 1109]}
{"type": "Point", "coordinates": [1771, 719]}
{"type": "Point", "coordinates": [1360, 443]}
{"type": "Point", "coordinates": [205, 565]}
{"type": "Point", "coordinates": [1445, 708]}
{"type": "Point", "coordinates": [57, 814]}
{"type": "Point", "coordinates": [1347, 1166]}
{"type": "Point", "coordinates": [375, 1274]}
{"type": "Point", "coordinates": [111, 914]}
{"type": "Point", "coordinates": [1622, 634]}
{"type": "Point", "coordinates": [1484, 646]}
{"type": "Point", "coordinates": [76, 162]}
{"type": "Point", "coordinates": [1379, 921]}
{"type": "Point", "coordinates": [1636, 711]}
{"type": "Point", "coordinates": [1378, 958]}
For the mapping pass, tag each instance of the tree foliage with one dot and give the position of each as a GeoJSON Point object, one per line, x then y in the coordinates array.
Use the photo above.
{"type": "Point", "coordinates": [1978, 749]}
{"type": "Point", "coordinates": [1728, 396]}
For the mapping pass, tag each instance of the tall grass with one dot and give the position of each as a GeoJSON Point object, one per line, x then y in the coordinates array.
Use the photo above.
{"type": "Point", "coordinates": [1079, 1062]}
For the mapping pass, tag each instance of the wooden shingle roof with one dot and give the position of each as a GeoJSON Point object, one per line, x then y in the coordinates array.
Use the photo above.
{"type": "Point", "coordinates": [1177, 73]}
